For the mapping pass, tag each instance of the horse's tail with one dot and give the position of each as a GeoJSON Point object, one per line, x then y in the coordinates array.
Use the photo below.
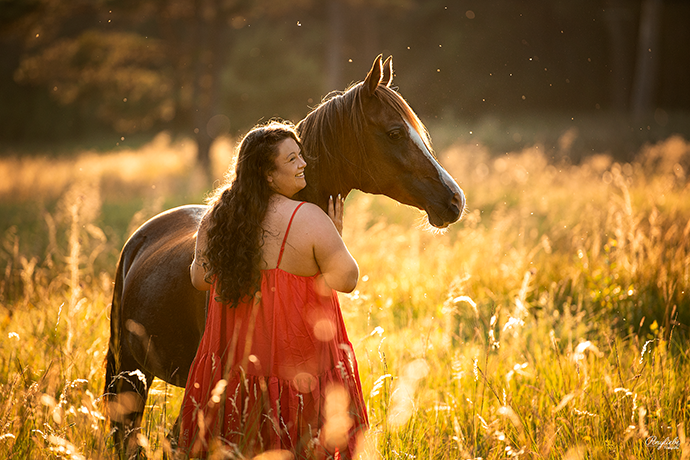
{"type": "Point", "coordinates": [112, 358]}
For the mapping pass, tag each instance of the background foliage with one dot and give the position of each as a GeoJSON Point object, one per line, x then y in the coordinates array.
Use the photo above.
{"type": "Point", "coordinates": [513, 72]}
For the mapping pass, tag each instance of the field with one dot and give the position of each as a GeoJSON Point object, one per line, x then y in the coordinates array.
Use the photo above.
{"type": "Point", "coordinates": [552, 322]}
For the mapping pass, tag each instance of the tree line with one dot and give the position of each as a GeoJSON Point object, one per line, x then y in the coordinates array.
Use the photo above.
{"type": "Point", "coordinates": [74, 68]}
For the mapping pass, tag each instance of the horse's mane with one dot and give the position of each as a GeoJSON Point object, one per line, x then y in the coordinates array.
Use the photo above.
{"type": "Point", "coordinates": [333, 135]}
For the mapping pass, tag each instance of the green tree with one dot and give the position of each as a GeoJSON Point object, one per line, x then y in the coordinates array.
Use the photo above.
{"type": "Point", "coordinates": [141, 65]}
{"type": "Point", "coordinates": [131, 64]}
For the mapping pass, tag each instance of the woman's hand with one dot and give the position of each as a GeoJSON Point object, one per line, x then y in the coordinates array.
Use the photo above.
{"type": "Point", "coordinates": [197, 271]}
{"type": "Point", "coordinates": [335, 212]}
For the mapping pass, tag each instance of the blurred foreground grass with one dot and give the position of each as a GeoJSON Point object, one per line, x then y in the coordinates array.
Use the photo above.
{"type": "Point", "coordinates": [552, 322]}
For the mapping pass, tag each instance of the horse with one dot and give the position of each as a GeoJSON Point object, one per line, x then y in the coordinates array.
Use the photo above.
{"type": "Point", "coordinates": [366, 137]}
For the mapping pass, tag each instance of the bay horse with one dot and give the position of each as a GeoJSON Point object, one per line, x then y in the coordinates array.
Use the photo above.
{"type": "Point", "coordinates": [366, 138]}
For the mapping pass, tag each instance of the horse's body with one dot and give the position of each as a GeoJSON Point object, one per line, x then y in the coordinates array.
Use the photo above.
{"type": "Point", "coordinates": [366, 138]}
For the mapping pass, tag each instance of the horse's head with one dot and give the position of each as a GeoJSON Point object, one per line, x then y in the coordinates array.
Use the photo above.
{"type": "Point", "coordinates": [368, 138]}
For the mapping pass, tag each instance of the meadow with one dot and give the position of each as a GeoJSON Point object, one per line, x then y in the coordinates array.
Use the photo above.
{"type": "Point", "coordinates": [550, 323]}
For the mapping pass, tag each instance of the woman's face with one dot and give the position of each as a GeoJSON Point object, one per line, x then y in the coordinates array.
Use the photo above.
{"type": "Point", "coordinates": [288, 176]}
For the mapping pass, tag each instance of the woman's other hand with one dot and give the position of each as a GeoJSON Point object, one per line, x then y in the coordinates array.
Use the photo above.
{"type": "Point", "coordinates": [335, 212]}
{"type": "Point", "coordinates": [197, 271]}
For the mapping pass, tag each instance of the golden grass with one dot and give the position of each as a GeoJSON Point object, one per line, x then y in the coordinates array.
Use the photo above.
{"type": "Point", "coordinates": [550, 323]}
{"type": "Point", "coordinates": [160, 163]}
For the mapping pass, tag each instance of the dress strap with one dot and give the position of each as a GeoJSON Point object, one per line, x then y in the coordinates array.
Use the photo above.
{"type": "Point", "coordinates": [287, 230]}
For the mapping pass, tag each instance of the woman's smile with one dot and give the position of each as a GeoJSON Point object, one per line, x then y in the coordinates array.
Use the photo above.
{"type": "Point", "coordinates": [288, 176]}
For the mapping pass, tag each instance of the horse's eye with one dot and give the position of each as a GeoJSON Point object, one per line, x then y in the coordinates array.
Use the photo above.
{"type": "Point", "coordinates": [395, 134]}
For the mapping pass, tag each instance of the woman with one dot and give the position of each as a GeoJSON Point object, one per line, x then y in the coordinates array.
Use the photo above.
{"type": "Point", "coordinates": [274, 369]}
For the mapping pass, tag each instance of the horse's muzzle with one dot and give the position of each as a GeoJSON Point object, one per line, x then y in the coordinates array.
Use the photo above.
{"type": "Point", "coordinates": [442, 216]}
{"type": "Point", "coordinates": [459, 202]}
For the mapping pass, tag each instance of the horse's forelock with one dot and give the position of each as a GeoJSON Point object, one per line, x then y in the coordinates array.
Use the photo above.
{"type": "Point", "coordinates": [396, 101]}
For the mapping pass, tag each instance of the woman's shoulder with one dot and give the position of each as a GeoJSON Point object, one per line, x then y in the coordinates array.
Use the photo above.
{"type": "Point", "coordinates": [287, 206]}
{"type": "Point", "coordinates": [311, 214]}
{"type": "Point", "coordinates": [309, 208]}
{"type": "Point", "coordinates": [302, 215]}
{"type": "Point", "coordinates": [308, 220]}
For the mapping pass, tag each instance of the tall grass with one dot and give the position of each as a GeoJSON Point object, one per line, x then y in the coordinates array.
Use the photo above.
{"type": "Point", "coordinates": [550, 323]}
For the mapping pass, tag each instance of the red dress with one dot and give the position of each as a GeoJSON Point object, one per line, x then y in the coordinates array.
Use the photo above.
{"type": "Point", "coordinates": [275, 373]}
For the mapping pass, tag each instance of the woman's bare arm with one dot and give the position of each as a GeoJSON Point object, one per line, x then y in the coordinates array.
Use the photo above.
{"type": "Point", "coordinates": [338, 267]}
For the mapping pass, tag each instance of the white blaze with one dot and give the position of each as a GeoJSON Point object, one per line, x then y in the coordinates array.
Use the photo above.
{"type": "Point", "coordinates": [442, 173]}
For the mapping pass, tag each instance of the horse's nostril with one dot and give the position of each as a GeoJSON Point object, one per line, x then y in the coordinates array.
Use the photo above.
{"type": "Point", "coordinates": [459, 201]}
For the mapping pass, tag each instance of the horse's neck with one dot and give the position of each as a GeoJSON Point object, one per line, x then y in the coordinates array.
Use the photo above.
{"type": "Point", "coordinates": [318, 192]}
{"type": "Point", "coordinates": [333, 160]}
{"type": "Point", "coordinates": [326, 178]}
{"type": "Point", "coordinates": [312, 195]}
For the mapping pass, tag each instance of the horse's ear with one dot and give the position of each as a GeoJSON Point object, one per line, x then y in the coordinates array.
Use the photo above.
{"type": "Point", "coordinates": [387, 78]}
{"type": "Point", "coordinates": [374, 76]}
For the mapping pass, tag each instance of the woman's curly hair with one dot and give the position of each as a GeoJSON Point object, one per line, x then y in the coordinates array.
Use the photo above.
{"type": "Point", "coordinates": [237, 210]}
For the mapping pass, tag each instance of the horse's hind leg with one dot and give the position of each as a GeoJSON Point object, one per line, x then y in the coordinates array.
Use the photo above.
{"type": "Point", "coordinates": [127, 388]}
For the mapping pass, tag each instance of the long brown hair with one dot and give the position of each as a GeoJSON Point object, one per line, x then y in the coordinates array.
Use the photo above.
{"type": "Point", "coordinates": [236, 214]}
